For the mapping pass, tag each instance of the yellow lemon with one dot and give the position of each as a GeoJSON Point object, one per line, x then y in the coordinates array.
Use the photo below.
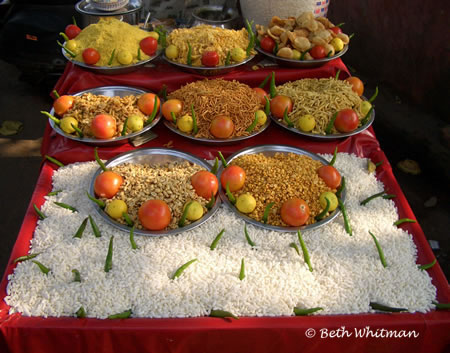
{"type": "Point", "coordinates": [245, 203]}
{"type": "Point", "coordinates": [238, 54]}
{"type": "Point", "coordinates": [306, 123]}
{"type": "Point", "coordinates": [71, 45]}
{"type": "Point", "coordinates": [135, 123]}
{"type": "Point", "coordinates": [337, 44]}
{"type": "Point", "coordinates": [331, 197]}
{"type": "Point", "coordinates": [195, 211]}
{"type": "Point", "coordinates": [66, 124]}
{"type": "Point", "coordinates": [296, 54]}
{"type": "Point", "coordinates": [153, 34]}
{"type": "Point", "coordinates": [171, 51]}
{"type": "Point", "coordinates": [261, 117]}
{"type": "Point", "coordinates": [124, 57]}
{"type": "Point", "coordinates": [365, 107]}
{"type": "Point", "coordinates": [185, 123]}
{"type": "Point", "coordinates": [116, 208]}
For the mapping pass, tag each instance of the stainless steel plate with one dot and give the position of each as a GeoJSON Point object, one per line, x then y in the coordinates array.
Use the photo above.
{"type": "Point", "coordinates": [110, 91]}
{"type": "Point", "coordinates": [270, 150]}
{"type": "Point", "coordinates": [331, 136]}
{"type": "Point", "coordinates": [301, 64]}
{"type": "Point", "coordinates": [154, 156]}
{"type": "Point", "coordinates": [207, 141]}
{"type": "Point", "coordinates": [208, 71]}
{"type": "Point", "coordinates": [86, 7]}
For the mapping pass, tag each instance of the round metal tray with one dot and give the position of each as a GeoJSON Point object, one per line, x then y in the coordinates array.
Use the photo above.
{"type": "Point", "coordinates": [110, 91]}
{"type": "Point", "coordinates": [330, 136]}
{"type": "Point", "coordinates": [270, 150]}
{"type": "Point", "coordinates": [111, 70]}
{"type": "Point", "coordinates": [208, 71]}
{"type": "Point", "coordinates": [207, 141]}
{"type": "Point", "coordinates": [304, 63]}
{"type": "Point", "coordinates": [86, 7]}
{"type": "Point", "coordinates": [154, 156]}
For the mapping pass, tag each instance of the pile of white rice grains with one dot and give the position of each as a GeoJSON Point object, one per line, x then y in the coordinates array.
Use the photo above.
{"type": "Point", "coordinates": [347, 272]}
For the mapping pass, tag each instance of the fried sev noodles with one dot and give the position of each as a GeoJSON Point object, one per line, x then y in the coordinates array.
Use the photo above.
{"type": "Point", "coordinates": [321, 98]}
{"type": "Point", "coordinates": [207, 38]}
{"type": "Point", "coordinates": [219, 97]}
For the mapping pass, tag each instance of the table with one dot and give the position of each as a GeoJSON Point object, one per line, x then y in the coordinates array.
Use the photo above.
{"type": "Point", "coordinates": [267, 334]}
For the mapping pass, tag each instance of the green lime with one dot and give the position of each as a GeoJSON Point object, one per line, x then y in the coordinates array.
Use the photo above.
{"type": "Point", "coordinates": [331, 197]}
{"type": "Point", "coordinates": [195, 211]}
{"type": "Point", "coordinates": [245, 203]}
{"type": "Point", "coordinates": [306, 123]}
{"type": "Point", "coordinates": [116, 208]}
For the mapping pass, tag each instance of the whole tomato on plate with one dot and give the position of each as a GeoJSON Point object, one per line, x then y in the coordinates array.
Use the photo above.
{"type": "Point", "coordinates": [205, 184]}
{"type": "Point", "coordinates": [107, 184]}
{"type": "Point", "coordinates": [146, 103]}
{"type": "Point", "coordinates": [295, 212]}
{"type": "Point", "coordinates": [72, 31]}
{"type": "Point", "coordinates": [149, 45]}
{"type": "Point", "coordinates": [330, 176]}
{"type": "Point", "coordinates": [318, 52]}
{"type": "Point", "coordinates": [267, 44]}
{"type": "Point", "coordinates": [210, 58]}
{"type": "Point", "coordinates": [221, 127]}
{"type": "Point", "coordinates": [63, 104]}
{"type": "Point", "coordinates": [172, 105]}
{"type": "Point", "coordinates": [357, 85]}
{"type": "Point", "coordinates": [103, 126]}
{"type": "Point", "coordinates": [154, 215]}
{"type": "Point", "coordinates": [234, 176]}
{"type": "Point", "coordinates": [91, 56]}
{"type": "Point", "coordinates": [346, 120]}
{"type": "Point", "coordinates": [279, 104]}
{"type": "Point", "coordinates": [261, 94]}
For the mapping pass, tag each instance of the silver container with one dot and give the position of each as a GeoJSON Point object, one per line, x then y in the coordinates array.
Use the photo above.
{"type": "Point", "coordinates": [110, 91]}
{"type": "Point", "coordinates": [270, 150]}
{"type": "Point", "coordinates": [215, 16]}
{"type": "Point", "coordinates": [89, 14]}
{"type": "Point", "coordinates": [154, 156]}
{"type": "Point", "coordinates": [301, 63]}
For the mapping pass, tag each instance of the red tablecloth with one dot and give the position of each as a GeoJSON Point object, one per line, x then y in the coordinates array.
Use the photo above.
{"type": "Point", "coordinates": [267, 334]}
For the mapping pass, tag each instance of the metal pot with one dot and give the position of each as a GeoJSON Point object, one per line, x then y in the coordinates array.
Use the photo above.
{"type": "Point", "coordinates": [215, 16]}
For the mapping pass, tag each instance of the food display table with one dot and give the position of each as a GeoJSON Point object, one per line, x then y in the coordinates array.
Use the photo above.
{"type": "Point", "coordinates": [331, 333]}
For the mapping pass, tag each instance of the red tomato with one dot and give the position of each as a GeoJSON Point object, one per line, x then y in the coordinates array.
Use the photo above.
{"type": "Point", "coordinates": [330, 176]}
{"type": "Point", "coordinates": [210, 58]}
{"type": "Point", "coordinates": [357, 85]}
{"type": "Point", "coordinates": [146, 103]}
{"type": "Point", "coordinates": [149, 45]}
{"type": "Point", "coordinates": [62, 105]}
{"type": "Point", "coordinates": [295, 212]}
{"type": "Point", "coordinates": [205, 184]}
{"type": "Point", "coordinates": [261, 94]}
{"type": "Point", "coordinates": [267, 44]}
{"type": "Point", "coordinates": [107, 184]}
{"type": "Point", "coordinates": [103, 126]}
{"type": "Point", "coordinates": [234, 176]}
{"type": "Point", "coordinates": [154, 215]}
{"type": "Point", "coordinates": [91, 56]}
{"type": "Point", "coordinates": [171, 105]}
{"type": "Point", "coordinates": [279, 104]}
{"type": "Point", "coordinates": [318, 52]}
{"type": "Point", "coordinates": [221, 127]}
{"type": "Point", "coordinates": [346, 120]}
{"type": "Point", "coordinates": [336, 30]}
{"type": "Point", "coordinates": [72, 31]}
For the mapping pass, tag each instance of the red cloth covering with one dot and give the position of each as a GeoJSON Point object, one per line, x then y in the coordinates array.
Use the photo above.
{"type": "Point", "coordinates": [249, 334]}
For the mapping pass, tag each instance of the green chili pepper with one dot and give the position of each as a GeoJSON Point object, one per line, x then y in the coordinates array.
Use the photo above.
{"type": "Point", "coordinates": [77, 276]}
{"type": "Point", "coordinates": [123, 315]}
{"type": "Point", "coordinates": [329, 54]}
{"type": "Point", "coordinates": [325, 211]}
{"type": "Point", "coordinates": [441, 306]}
{"type": "Point", "coordinates": [286, 119]}
{"type": "Point", "coordinates": [275, 49]}
{"type": "Point", "coordinates": [70, 52]}
{"type": "Point", "coordinates": [370, 198]}
{"type": "Point", "coordinates": [222, 314]}
{"type": "Point", "coordinates": [303, 312]}
{"type": "Point", "coordinates": [181, 269]}
{"type": "Point", "coordinates": [266, 211]}
{"type": "Point", "coordinates": [337, 74]}
{"type": "Point", "coordinates": [66, 206]}
{"type": "Point", "coordinates": [162, 35]}
{"type": "Point", "coordinates": [242, 271]}
{"type": "Point", "coordinates": [253, 124]}
{"type": "Point", "coordinates": [127, 219]}
{"type": "Point", "coordinates": [272, 88]}
{"type": "Point", "coordinates": [55, 93]}
{"type": "Point", "coordinates": [132, 242]}
{"type": "Point", "coordinates": [100, 203]}
{"type": "Point", "coordinates": [182, 220]}
{"type": "Point", "coordinates": [249, 241]}
{"type": "Point", "coordinates": [341, 188]}
{"type": "Point", "coordinates": [227, 59]}
{"type": "Point", "coordinates": [302, 57]}
{"type": "Point", "coordinates": [379, 163]}
{"type": "Point", "coordinates": [40, 214]}
{"type": "Point", "coordinates": [94, 227]}
{"type": "Point", "coordinates": [112, 57]}
{"type": "Point", "coordinates": [163, 92]}
{"type": "Point", "coordinates": [189, 55]}
{"type": "Point", "coordinates": [304, 250]}
{"type": "Point", "coordinates": [404, 220]}
{"type": "Point", "coordinates": [389, 196]}
{"type": "Point", "coordinates": [77, 130]}
{"type": "Point", "coordinates": [26, 257]}
{"type": "Point", "coordinates": [194, 120]}
{"type": "Point", "coordinates": [340, 24]}
{"type": "Point", "coordinates": [44, 270]}
{"type": "Point", "coordinates": [333, 160]}
{"type": "Point", "coordinates": [154, 111]}
{"type": "Point", "coordinates": [99, 161]}
{"type": "Point", "coordinates": [62, 34]}
{"type": "Point", "coordinates": [81, 229]}
{"type": "Point", "coordinates": [380, 250]}
{"type": "Point", "coordinates": [331, 123]}
{"type": "Point", "coordinates": [139, 54]}
{"type": "Point", "coordinates": [174, 118]}
{"type": "Point", "coordinates": [427, 266]}
{"type": "Point", "coordinates": [215, 166]}
{"type": "Point", "coordinates": [229, 194]}
{"type": "Point", "coordinates": [251, 43]}
{"type": "Point", "coordinates": [263, 84]}
{"type": "Point", "coordinates": [295, 247]}
{"type": "Point", "coordinates": [108, 262]}
{"type": "Point", "coordinates": [367, 117]}
{"type": "Point", "coordinates": [224, 162]}
{"type": "Point", "coordinates": [351, 36]}
{"type": "Point", "coordinates": [216, 240]}
{"type": "Point", "coordinates": [124, 129]}
{"type": "Point", "coordinates": [267, 106]}
{"type": "Point", "coordinates": [53, 160]}
{"type": "Point", "coordinates": [81, 313]}
{"type": "Point", "coordinates": [74, 21]}
{"type": "Point", "coordinates": [374, 96]}
{"type": "Point", "coordinates": [211, 202]}
{"type": "Point", "coordinates": [347, 225]}
{"type": "Point", "coordinates": [51, 117]}
{"type": "Point", "coordinates": [381, 307]}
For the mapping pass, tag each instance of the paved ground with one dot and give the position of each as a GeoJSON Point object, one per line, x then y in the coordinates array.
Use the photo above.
{"type": "Point", "coordinates": [404, 132]}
